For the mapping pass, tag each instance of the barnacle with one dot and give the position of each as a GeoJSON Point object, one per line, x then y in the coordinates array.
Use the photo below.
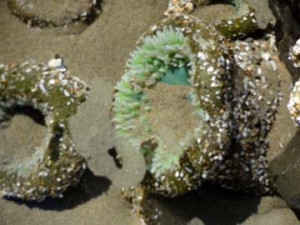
{"type": "Point", "coordinates": [294, 54]}
{"type": "Point", "coordinates": [52, 14]}
{"type": "Point", "coordinates": [55, 164]}
{"type": "Point", "coordinates": [294, 103]}
{"type": "Point", "coordinates": [241, 24]}
{"type": "Point", "coordinates": [255, 99]}
{"type": "Point", "coordinates": [172, 65]}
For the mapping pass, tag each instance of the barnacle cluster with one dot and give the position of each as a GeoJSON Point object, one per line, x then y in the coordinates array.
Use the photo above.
{"type": "Point", "coordinates": [255, 98]}
{"type": "Point", "coordinates": [53, 91]}
{"type": "Point", "coordinates": [294, 102]}
{"type": "Point", "coordinates": [223, 91]}
{"type": "Point", "coordinates": [179, 6]}
{"type": "Point", "coordinates": [54, 13]}
{"type": "Point", "coordinates": [243, 23]}
{"type": "Point", "coordinates": [294, 54]}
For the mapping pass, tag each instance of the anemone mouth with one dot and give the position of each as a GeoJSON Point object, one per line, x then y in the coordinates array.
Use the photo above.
{"type": "Point", "coordinates": [173, 122]}
{"type": "Point", "coordinates": [172, 115]}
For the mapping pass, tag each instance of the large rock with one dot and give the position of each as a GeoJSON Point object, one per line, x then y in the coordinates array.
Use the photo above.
{"type": "Point", "coordinates": [284, 155]}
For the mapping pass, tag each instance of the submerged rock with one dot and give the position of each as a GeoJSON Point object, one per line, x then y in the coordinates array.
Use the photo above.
{"type": "Point", "coordinates": [54, 13]}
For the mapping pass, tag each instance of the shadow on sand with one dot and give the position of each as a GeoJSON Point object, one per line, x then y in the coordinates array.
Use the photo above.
{"type": "Point", "coordinates": [210, 205]}
{"type": "Point", "coordinates": [89, 187]}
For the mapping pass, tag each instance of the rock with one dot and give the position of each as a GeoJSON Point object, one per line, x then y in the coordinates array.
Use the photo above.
{"type": "Point", "coordinates": [272, 211]}
{"type": "Point", "coordinates": [284, 152]}
{"type": "Point", "coordinates": [286, 171]}
{"type": "Point", "coordinates": [263, 14]}
{"type": "Point", "coordinates": [287, 28]}
{"type": "Point", "coordinates": [215, 12]}
{"type": "Point", "coordinates": [284, 156]}
{"type": "Point", "coordinates": [195, 221]}
{"type": "Point", "coordinates": [214, 205]}
{"type": "Point", "coordinates": [53, 13]}
{"type": "Point", "coordinates": [283, 121]}
{"type": "Point", "coordinates": [274, 217]}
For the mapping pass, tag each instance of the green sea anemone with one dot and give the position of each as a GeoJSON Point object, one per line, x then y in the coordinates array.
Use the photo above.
{"type": "Point", "coordinates": [171, 103]}
{"type": "Point", "coordinates": [55, 164]}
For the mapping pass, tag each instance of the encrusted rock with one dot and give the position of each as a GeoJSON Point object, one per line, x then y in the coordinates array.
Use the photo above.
{"type": "Point", "coordinates": [231, 88]}
{"type": "Point", "coordinates": [55, 164]}
{"type": "Point", "coordinates": [53, 13]}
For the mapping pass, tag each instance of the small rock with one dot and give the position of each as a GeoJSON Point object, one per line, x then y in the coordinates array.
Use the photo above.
{"type": "Point", "coordinates": [274, 217]}
{"type": "Point", "coordinates": [263, 13]}
{"type": "Point", "coordinates": [53, 13]}
{"type": "Point", "coordinates": [196, 221]}
{"type": "Point", "coordinates": [272, 211]}
{"type": "Point", "coordinates": [57, 62]}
